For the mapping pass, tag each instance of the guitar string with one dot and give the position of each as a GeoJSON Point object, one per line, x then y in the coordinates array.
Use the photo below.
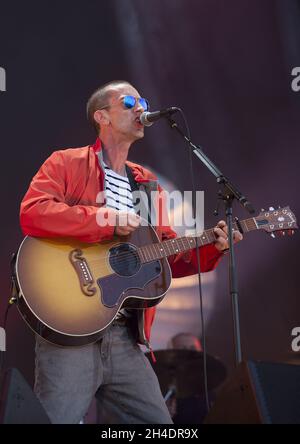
{"type": "Point", "coordinates": [123, 256]}
{"type": "Point", "coordinates": [132, 257]}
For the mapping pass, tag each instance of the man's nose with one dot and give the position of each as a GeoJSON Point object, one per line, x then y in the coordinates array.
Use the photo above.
{"type": "Point", "coordinates": [139, 108]}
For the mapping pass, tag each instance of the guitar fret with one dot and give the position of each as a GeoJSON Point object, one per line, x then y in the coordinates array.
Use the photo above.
{"type": "Point", "coordinates": [147, 253]}
{"type": "Point", "coordinates": [144, 253]}
{"type": "Point", "coordinates": [191, 242]}
{"type": "Point", "coordinates": [162, 250]}
{"type": "Point", "coordinates": [149, 248]}
{"type": "Point", "coordinates": [201, 239]}
{"type": "Point", "coordinates": [141, 255]}
{"type": "Point", "coordinates": [159, 251]}
{"type": "Point", "coordinates": [169, 247]}
{"type": "Point", "coordinates": [206, 237]}
{"type": "Point", "coordinates": [167, 250]}
{"type": "Point", "coordinates": [250, 224]}
{"type": "Point", "coordinates": [243, 224]}
{"type": "Point", "coordinates": [184, 243]}
{"type": "Point", "coordinates": [176, 246]}
{"type": "Point", "coordinates": [156, 252]}
{"type": "Point", "coordinates": [173, 246]}
{"type": "Point", "coordinates": [183, 247]}
{"type": "Point", "coordinates": [153, 252]}
{"type": "Point", "coordinates": [212, 236]}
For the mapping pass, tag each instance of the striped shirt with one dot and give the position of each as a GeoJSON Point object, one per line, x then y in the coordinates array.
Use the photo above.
{"type": "Point", "coordinates": [118, 191]}
{"type": "Point", "coordinates": [119, 197]}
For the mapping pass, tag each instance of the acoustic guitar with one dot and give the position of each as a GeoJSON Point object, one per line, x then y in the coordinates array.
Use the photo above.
{"type": "Point", "coordinates": [70, 292]}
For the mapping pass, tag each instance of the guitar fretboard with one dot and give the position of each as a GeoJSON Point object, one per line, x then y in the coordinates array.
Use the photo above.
{"type": "Point", "coordinates": [169, 247]}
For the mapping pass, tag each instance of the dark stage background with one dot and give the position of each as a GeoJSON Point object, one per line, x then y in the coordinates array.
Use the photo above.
{"type": "Point", "coordinates": [228, 65]}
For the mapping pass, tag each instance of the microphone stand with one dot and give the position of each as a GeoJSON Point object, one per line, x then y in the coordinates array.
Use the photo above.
{"type": "Point", "coordinates": [2, 348]}
{"type": "Point", "coordinates": [228, 194]}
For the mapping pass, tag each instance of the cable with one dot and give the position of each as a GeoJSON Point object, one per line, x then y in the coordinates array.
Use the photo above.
{"type": "Point", "coordinates": [6, 314]}
{"type": "Point", "coordinates": [203, 340]}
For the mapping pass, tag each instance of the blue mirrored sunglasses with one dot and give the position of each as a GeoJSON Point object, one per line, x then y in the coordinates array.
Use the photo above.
{"type": "Point", "coordinates": [130, 101]}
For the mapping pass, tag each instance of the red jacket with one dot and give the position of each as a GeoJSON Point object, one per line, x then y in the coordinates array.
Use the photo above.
{"type": "Point", "coordinates": [61, 202]}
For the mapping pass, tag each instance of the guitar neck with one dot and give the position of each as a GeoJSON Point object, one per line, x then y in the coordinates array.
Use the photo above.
{"type": "Point", "coordinates": [167, 248]}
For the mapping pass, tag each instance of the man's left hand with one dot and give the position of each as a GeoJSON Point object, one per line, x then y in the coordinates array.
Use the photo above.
{"type": "Point", "coordinates": [221, 232]}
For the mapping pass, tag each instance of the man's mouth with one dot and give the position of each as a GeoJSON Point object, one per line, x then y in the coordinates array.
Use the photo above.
{"type": "Point", "coordinates": [138, 122]}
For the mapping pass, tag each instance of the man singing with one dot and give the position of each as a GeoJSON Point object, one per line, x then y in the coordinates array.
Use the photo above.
{"type": "Point", "coordinates": [62, 202]}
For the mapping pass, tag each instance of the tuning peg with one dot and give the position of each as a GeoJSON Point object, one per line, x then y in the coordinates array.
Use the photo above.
{"type": "Point", "coordinates": [273, 235]}
{"type": "Point", "coordinates": [271, 208]}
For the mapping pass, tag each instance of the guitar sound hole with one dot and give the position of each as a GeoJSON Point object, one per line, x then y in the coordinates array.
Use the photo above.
{"type": "Point", "coordinates": [124, 260]}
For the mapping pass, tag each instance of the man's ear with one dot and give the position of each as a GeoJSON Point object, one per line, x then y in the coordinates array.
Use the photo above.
{"type": "Point", "coordinates": [101, 117]}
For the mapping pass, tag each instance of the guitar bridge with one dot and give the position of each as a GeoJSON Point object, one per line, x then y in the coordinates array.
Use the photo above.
{"type": "Point", "coordinates": [83, 272]}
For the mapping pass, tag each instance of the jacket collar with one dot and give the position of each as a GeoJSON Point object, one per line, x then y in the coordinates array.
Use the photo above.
{"type": "Point", "coordinates": [137, 171]}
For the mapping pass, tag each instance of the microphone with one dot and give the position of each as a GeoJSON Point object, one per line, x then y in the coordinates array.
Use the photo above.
{"type": "Point", "coordinates": [147, 118]}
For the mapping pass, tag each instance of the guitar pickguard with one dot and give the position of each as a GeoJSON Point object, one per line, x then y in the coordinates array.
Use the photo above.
{"type": "Point", "coordinates": [115, 288]}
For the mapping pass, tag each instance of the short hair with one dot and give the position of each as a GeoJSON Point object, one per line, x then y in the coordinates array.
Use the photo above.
{"type": "Point", "coordinates": [100, 98]}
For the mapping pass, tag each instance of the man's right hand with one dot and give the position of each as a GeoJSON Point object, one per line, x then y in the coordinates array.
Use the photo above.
{"type": "Point", "coordinates": [126, 223]}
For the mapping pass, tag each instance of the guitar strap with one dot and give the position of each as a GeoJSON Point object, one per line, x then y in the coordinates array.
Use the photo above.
{"type": "Point", "coordinates": [142, 206]}
{"type": "Point", "coordinates": [133, 184]}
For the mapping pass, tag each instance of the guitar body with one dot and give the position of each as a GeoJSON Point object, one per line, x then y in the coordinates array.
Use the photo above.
{"type": "Point", "coordinates": [70, 292]}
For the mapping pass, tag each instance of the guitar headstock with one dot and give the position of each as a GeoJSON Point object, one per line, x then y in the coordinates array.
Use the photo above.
{"type": "Point", "coordinates": [277, 221]}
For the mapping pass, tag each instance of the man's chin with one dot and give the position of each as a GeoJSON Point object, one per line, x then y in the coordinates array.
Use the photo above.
{"type": "Point", "coordinates": [139, 134]}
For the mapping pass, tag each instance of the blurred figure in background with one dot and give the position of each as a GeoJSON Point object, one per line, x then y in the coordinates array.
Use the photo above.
{"type": "Point", "coordinates": [186, 341]}
{"type": "Point", "coordinates": [192, 409]}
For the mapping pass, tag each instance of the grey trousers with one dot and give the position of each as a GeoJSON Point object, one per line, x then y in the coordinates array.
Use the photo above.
{"type": "Point", "coordinates": [114, 369]}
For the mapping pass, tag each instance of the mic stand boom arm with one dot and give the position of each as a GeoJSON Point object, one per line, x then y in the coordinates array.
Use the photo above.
{"type": "Point", "coordinates": [229, 193]}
